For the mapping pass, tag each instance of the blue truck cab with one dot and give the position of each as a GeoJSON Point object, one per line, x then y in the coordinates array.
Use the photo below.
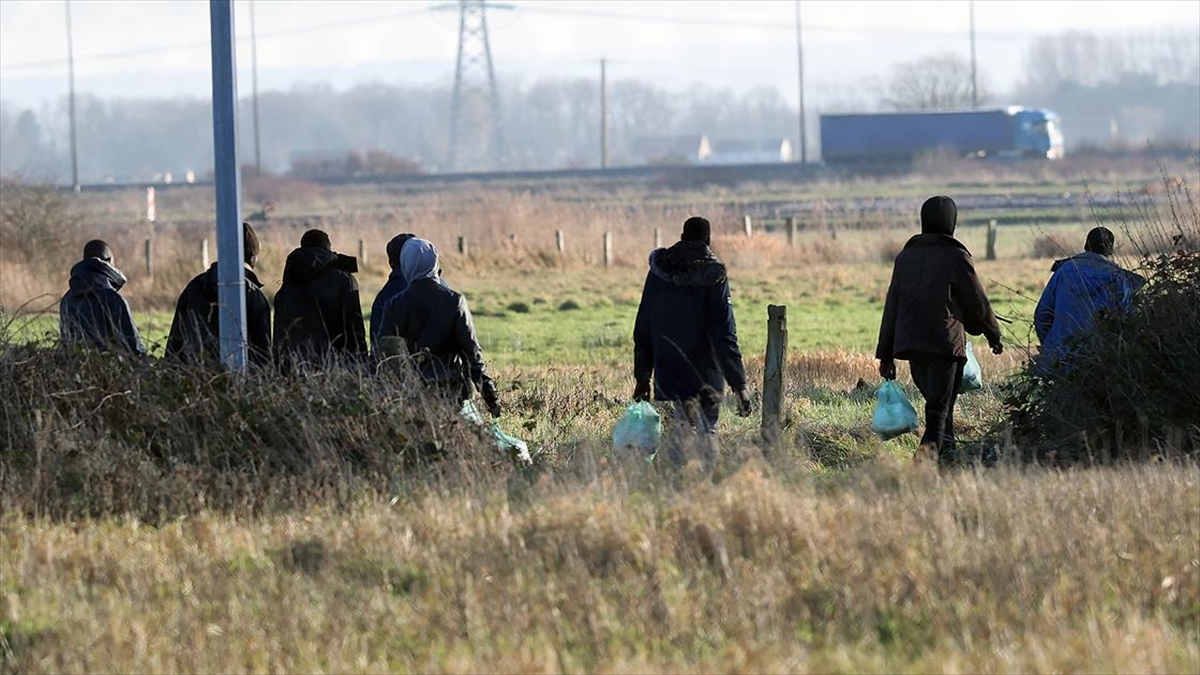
{"type": "Point", "coordinates": [901, 136]}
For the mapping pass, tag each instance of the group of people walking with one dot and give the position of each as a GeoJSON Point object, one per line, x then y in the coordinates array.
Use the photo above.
{"type": "Point", "coordinates": [685, 335]}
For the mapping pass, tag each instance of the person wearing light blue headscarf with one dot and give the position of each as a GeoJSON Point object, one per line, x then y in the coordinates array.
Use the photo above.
{"type": "Point", "coordinates": [436, 326]}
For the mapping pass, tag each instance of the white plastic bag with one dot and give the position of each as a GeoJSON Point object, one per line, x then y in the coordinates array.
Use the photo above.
{"type": "Point", "coordinates": [972, 373]}
{"type": "Point", "coordinates": [516, 448]}
{"type": "Point", "coordinates": [894, 415]}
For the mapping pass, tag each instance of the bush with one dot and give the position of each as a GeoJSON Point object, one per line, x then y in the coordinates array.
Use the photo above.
{"type": "Point", "coordinates": [96, 434]}
{"type": "Point", "coordinates": [1053, 246]}
{"type": "Point", "coordinates": [1132, 391]}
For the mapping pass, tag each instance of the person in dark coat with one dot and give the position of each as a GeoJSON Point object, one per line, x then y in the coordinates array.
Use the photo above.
{"type": "Point", "coordinates": [195, 330]}
{"type": "Point", "coordinates": [318, 314]}
{"type": "Point", "coordinates": [435, 325]}
{"type": "Point", "coordinates": [685, 335]}
{"type": "Point", "coordinates": [92, 313]}
{"type": "Point", "coordinates": [933, 301]}
{"type": "Point", "coordinates": [392, 289]}
{"type": "Point", "coordinates": [1080, 288]}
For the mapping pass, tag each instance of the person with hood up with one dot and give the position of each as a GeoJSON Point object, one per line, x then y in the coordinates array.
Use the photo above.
{"type": "Point", "coordinates": [685, 335]}
{"type": "Point", "coordinates": [195, 330]}
{"type": "Point", "coordinates": [92, 312]}
{"type": "Point", "coordinates": [1080, 288]}
{"type": "Point", "coordinates": [436, 326]}
{"type": "Point", "coordinates": [392, 289]}
{"type": "Point", "coordinates": [935, 299]}
{"type": "Point", "coordinates": [317, 310]}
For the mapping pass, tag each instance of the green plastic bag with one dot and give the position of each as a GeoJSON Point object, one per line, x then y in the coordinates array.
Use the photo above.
{"type": "Point", "coordinates": [972, 373]}
{"type": "Point", "coordinates": [638, 429]}
{"type": "Point", "coordinates": [513, 446]}
{"type": "Point", "coordinates": [894, 415]}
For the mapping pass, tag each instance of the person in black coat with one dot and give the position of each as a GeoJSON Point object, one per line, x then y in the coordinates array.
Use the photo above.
{"type": "Point", "coordinates": [195, 330]}
{"type": "Point", "coordinates": [685, 336]}
{"type": "Point", "coordinates": [318, 314]}
{"type": "Point", "coordinates": [92, 313]}
{"type": "Point", "coordinates": [935, 299]}
{"type": "Point", "coordinates": [392, 289]}
{"type": "Point", "coordinates": [435, 325]}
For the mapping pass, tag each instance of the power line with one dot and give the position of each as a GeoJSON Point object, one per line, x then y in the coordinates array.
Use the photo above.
{"type": "Point", "coordinates": [162, 49]}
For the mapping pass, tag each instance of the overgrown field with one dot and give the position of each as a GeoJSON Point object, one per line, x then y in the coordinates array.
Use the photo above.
{"type": "Point", "coordinates": [157, 519]}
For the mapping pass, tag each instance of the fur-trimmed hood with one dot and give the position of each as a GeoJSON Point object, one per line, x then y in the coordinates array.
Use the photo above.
{"type": "Point", "coordinates": [687, 263]}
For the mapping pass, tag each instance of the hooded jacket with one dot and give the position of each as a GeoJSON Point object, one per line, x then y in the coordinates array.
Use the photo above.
{"type": "Point", "coordinates": [934, 298]}
{"type": "Point", "coordinates": [436, 326]}
{"type": "Point", "coordinates": [93, 313]}
{"type": "Point", "coordinates": [392, 288]}
{"type": "Point", "coordinates": [685, 334]}
{"type": "Point", "coordinates": [195, 330]}
{"type": "Point", "coordinates": [1080, 287]}
{"type": "Point", "coordinates": [317, 310]}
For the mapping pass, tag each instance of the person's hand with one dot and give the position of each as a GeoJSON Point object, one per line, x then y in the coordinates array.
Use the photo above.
{"type": "Point", "coordinates": [641, 391]}
{"type": "Point", "coordinates": [997, 347]}
{"type": "Point", "coordinates": [887, 369]}
{"type": "Point", "coordinates": [493, 405]}
{"type": "Point", "coordinates": [743, 402]}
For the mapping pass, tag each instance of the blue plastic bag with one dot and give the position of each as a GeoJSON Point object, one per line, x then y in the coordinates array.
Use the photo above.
{"type": "Point", "coordinates": [639, 428]}
{"type": "Point", "coordinates": [516, 448]}
{"type": "Point", "coordinates": [894, 415]}
{"type": "Point", "coordinates": [972, 373]}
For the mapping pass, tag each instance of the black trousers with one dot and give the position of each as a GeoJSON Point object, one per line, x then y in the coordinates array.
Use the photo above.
{"type": "Point", "coordinates": [939, 379]}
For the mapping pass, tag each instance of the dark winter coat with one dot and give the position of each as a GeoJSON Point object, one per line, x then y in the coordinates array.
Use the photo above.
{"type": "Point", "coordinates": [395, 285]}
{"type": "Point", "coordinates": [933, 299]}
{"type": "Point", "coordinates": [685, 333]}
{"type": "Point", "coordinates": [196, 332]}
{"type": "Point", "coordinates": [317, 310]}
{"type": "Point", "coordinates": [436, 326]}
{"type": "Point", "coordinates": [1080, 287]}
{"type": "Point", "coordinates": [93, 313]}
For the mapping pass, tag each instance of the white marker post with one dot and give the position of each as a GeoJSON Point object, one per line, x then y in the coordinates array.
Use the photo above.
{"type": "Point", "coordinates": [231, 277]}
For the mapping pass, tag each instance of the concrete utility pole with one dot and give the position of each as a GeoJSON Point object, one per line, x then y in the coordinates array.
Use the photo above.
{"type": "Point", "coordinates": [254, 88]}
{"type": "Point", "coordinates": [603, 117]}
{"type": "Point", "coordinates": [974, 89]}
{"type": "Point", "coordinates": [231, 277]}
{"type": "Point", "coordinates": [800, 58]}
{"type": "Point", "coordinates": [71, 100]}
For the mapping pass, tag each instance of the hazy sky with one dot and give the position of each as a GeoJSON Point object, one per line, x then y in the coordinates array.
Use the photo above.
{"type": "Point", "coordinates": [159, 47]}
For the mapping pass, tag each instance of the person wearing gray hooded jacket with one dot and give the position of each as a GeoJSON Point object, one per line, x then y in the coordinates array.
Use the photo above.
{"type": "Point", "coordinates": [92, 313]}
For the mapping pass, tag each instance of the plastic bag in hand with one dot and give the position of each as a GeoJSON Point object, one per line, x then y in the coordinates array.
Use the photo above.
{"type": "Point", "coordinates": [639, 428]}
{"type": "Point", "coordinates": [972, 373]}
{"type": "Point", "coordinates": [894, 415]}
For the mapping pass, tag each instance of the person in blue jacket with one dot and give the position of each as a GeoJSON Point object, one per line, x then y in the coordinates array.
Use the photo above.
{"type": "Point", "coordinates": [1080, 288]}
{"type": "Point", "coordinates": [92, 313]}
{"type": "Point", "coordinates": [685, 336]}
{"type": "Point", "coordinates": [395, 285]}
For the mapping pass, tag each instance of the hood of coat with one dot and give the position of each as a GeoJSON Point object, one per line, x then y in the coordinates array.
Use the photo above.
{"type": "Point", "coordinates": [935, 239]}
{"type": "Point", "coordinates": [307, 263]}
{"type": "Point", "coordinates": [93, 274]}
{"type": "Point", "coordinates": [212, 281]}
{"type": "Point", "coordinates": [939, 215]}
{"type": "Point", "coordinates": [687, 263]}
{"type": "Point", "coordinates": [1087, 258]}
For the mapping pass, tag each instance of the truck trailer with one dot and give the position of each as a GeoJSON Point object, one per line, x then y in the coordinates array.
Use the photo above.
{"type": "Point", "coordinates": [901, 136]}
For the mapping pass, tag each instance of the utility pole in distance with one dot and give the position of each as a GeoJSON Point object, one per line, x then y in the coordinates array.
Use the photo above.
{"type": "Point", "coordinates": [603, 117]}
{"type": "Point", "coordinates": [974, 89]}
{"type": "Point", "coordinates": [71, 100]}
{"type": "Point", "coordinates": [800, 58]}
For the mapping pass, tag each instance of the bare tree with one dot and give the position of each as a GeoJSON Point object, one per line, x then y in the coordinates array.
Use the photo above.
{"type": "Point", "coordinates": [939, 81]}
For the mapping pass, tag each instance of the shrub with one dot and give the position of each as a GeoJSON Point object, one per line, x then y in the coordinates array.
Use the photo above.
{"type": "Point", "coordinates": [1053, 246]}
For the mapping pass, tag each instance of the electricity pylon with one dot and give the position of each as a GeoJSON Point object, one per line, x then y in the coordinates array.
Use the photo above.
{"type": "Point", "coordinates": [475, 120]}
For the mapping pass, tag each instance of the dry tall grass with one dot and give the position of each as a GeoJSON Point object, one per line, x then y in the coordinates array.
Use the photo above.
{"type": "Point", "coordinates": [888, 571]}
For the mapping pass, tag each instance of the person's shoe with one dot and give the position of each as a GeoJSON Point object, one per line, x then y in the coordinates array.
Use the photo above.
{"type": "Point", "coordinates": [927, 453]}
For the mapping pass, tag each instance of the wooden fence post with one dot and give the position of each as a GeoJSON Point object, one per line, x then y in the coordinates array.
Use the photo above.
{"type": "Point", "coordinates": [559, 242]}
{"type": "Point", "coordinates": [462, 246]}
{"type": "Point", "coordinates": [204, 253]}
{"type": "Point", "coordinates": [776, 359]}
{"type": "Point", "coordinates": [991, 240]}
{"type": "Point", "coordinates": [608, 249]}
{"type": "Point", "coordinates": [658, 237]}
{"type": "Point", "coordinates": [833, 230]}
{"type": "Point", "coordinates": [748, 225]}
{"type": "Point", "coordinates": [151, 210]}
{"type": "Point", "coordinates": [362, 252]}
{"type": "Point", "coordinates": [150, 257]}
{"type": "Point", "coordinates": [791, 230]}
